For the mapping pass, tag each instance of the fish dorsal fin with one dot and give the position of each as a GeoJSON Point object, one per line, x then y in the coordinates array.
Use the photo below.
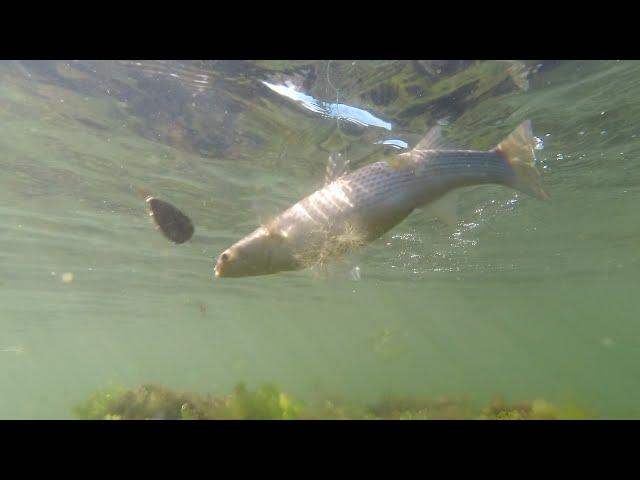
{"type": "Point", "coordinates": [337, 165]}
{"type": "Point", "coordinates": [445, 209]}
{"type": "Point", "coordinates": [265, 208]}
{"type": "Point", "coordinates": [434, 140]}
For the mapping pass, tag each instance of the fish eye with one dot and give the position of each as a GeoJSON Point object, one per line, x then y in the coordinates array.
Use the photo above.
{"type": "Point", "coordinates": [224, 257]}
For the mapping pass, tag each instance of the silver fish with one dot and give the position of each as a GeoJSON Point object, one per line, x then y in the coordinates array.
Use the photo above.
{"type": "Point", "coordinates": [359, 207]}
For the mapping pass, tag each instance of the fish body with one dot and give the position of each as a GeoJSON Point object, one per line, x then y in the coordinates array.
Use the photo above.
{"type": "Point", "coordinates": [359, 207]}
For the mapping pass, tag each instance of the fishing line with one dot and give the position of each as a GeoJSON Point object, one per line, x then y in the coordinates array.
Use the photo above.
{"type": "Point", "coordinates": [354, 272]}
{"type": "Point", "coordinates": [335, 90]}
{"type": "Point", "coordinates": [328, 75]}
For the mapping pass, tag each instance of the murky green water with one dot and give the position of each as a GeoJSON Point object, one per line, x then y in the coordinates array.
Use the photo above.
{"type": "Point", "coordinates": [524, 298]}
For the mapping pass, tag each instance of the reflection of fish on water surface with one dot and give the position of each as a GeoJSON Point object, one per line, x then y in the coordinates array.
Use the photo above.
{"type": "Point", "coordinates": [357, 208]}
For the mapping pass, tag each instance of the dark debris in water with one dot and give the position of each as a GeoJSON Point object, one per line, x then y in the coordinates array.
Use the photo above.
{"type": "Point", "coordinates": [173, 224]}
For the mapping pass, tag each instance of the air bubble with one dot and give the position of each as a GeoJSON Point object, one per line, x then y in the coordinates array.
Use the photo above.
{"type": "Point", "coordinates": [355, 273]}
{"type": "Point", "coordinates": [539, 143]}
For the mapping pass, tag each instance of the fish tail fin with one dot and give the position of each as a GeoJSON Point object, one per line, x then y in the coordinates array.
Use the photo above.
{"type": "Point", "coordinates": [517, 149]}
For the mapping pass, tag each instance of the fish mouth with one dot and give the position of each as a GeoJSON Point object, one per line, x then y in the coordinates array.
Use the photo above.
{"type": "Point", "coordinates": [224, 266]}
{"type": "Point", "coordinates": [218, 270]}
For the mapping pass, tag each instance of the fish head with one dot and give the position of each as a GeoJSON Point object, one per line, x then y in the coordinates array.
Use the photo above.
{"type": "Point", "coordinates": [262, 252]}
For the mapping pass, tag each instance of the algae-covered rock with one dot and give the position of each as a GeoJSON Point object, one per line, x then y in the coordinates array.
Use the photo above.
{"type": "Point", "coordinates": [538, 409]}
{"type": "Point", "coordinates": [270, 403]}
{"type": "Point", "coordinates": [421, 408]}
{"type": "Point", "coordinates": [149, 402]}
{"type": "Point", "coordinates": [160, 403]}
{"type": "Point", "coordinates": [100, 404]}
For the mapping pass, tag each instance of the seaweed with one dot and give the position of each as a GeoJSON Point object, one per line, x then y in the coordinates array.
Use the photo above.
{"type": "Point", "coordinates": [267, 403]}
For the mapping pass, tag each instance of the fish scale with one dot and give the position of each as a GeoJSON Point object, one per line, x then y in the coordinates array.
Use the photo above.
{"type": "Point", "coordinates": [376, 197]}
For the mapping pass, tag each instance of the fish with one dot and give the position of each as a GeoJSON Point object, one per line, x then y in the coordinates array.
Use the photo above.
{"type": "Point", "coordinates": [357, 208]}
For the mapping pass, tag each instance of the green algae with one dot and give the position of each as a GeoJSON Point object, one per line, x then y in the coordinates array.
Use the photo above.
{"type": "Point", "coordinates": [151, 401]}
{"type": "Point", "coordinates": [538, 409]}
{"type": "Point", "coordinates": [268, 402]}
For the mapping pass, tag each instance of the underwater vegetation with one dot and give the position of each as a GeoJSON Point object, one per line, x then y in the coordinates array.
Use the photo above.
{"type": "Point", "coordinates": [156, 402]}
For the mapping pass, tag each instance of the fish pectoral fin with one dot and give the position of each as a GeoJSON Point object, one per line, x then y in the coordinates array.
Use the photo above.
{"type": "Point", "coordinates": [264, 217]}
{"type": "Point", "coordinates": [265, 212]}
{"type": "Point", "coordinates": [445, 209]}
{"type": "Point", "coordinates": [337, 165]}
{"type": "Point", "coordinates": [276, 235]}
{"type": "Point", "coordinates": [434, 140]}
